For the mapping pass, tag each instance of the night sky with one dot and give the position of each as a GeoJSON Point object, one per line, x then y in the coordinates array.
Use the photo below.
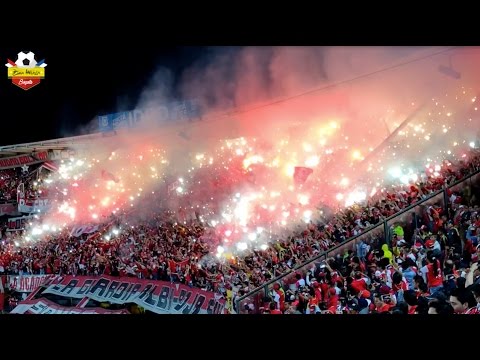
{"type": "Point", "coordinates": [79, 84]}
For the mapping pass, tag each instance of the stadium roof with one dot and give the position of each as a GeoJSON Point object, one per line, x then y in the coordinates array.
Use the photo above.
{"type": "Point", "coordinates": [55, 144]}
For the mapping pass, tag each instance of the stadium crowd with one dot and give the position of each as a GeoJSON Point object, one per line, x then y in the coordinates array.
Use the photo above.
{"type": "Point", "coordinates": [428, 266]}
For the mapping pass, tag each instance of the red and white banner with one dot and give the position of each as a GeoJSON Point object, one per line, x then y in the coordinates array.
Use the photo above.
{"type": "Point", "coordinates": [160, 297]}
{"type": "Point", "coordinates": [18, 223]}
{"type": "Point", "coordinates": [17, 161]}
{"type": "Point", "coordinates": [83, 229]}
{"type": "Point", "coordinates": [27, 283]}
{"type": "Point", "coordinates": [44, 306]}
{"type": "Point", "coordinates": [50, 166]}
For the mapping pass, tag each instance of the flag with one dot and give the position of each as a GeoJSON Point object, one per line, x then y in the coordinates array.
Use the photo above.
{"type": "Point", "coordinates": [20, 192]}
{"type": "Point", "coordinates": [108, 176]}
{"type": "Point", "coordinates": [301, 174]}
{"type": "Point", "coordinates": [49, 165]}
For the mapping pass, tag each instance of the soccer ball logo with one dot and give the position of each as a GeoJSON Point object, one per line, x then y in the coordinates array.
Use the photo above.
{"type": "Point", "coordinates": [26, 72]}
{"type": "Point", "coordinates": [26, 60]}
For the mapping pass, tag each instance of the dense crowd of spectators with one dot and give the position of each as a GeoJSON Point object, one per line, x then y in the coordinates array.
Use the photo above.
{"type": "Point", "coordinates": [395, 277]}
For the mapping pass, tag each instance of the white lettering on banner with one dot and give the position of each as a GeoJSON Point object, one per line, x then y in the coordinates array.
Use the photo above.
{"type": "Point", "coordinates": [18, 223]}
{"type": "Point", "coordinates": [26, 283]}
{"type": "Point", "coordinates": [160, 297]}
{"type": "Point", "coordinates": [29, 206]}
{"type": "Point", "coordinates": [43, 306]}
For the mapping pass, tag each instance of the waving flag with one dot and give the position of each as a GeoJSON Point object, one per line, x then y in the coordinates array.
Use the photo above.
{"type": "Point", "coordinates": [301, 174]}
{"type": "Point", "coordinates": [108, 176]}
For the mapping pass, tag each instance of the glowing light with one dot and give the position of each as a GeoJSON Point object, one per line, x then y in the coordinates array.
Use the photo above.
{"type": "Point", "coordinates": [307, 214]}
{"type": "Point", "coordinates": [357, 155]}
{"type": "Point", "coordinates": [339, 197]}
{"type": "Point", "coordinates": [264, 247]}
{"type": "Point", "coordinates": [179, 190]}
{"type": "Point", "coordinates": [259, 230]}
{"type": "Point", "coordinates": [312, 161]}
{"type": "Point", "coordinates": [252, 236]}
{"type": "Point", "coordinates": [404, 179]}
{"type": "Point", "coordinates": [307, 147]}
{"type": "Point", "coordinates": [220, 250]}
{"type": "Point", "coordinates": [395, 172]}
{"type": "Point", "coordinates": [242, 246]}
{"type": "Point", "coordinates": [228, 233]}
{"type": "Point", "coordinates": [344, 182]}
{"type": "Point", "coordinates": [355, 197]}
{"type": "Point", "coordinates": [303, 199]}
{"type": "Point", "coordinates": [254, 159]}
{"type": "Point", "coordinates": [289, 170]}
{"type": "Point", "coordinates": [472, 144]}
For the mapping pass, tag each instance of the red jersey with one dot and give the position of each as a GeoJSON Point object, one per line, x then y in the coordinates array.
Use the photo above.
{"type": "Point", "coordinates": [434, 279]}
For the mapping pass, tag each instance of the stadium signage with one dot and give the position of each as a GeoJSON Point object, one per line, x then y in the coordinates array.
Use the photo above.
{"type": "Point", "coordinates": [169, 112]}
{"type": "Point", "coordinates": [17, 161]}
{"type": "Point", "coordinates": [160, 297]}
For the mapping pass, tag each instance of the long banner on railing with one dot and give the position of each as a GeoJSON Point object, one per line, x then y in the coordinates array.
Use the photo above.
{"type": "Point", "coordinates": [157, 296]}
{"type": "Point", "coordinates": [44, 306]}
{"type": "Point", "coordinates": [35, 158]}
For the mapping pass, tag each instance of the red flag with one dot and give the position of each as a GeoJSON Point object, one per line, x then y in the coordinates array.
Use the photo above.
{"type": "Point", "coordinates": [301, 174]}
{"type": "Point", "coordinates": [108, 176]}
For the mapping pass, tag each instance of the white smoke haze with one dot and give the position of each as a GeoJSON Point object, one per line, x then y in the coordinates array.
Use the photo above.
{"type": "Point", "coordinates": [324, 108]}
